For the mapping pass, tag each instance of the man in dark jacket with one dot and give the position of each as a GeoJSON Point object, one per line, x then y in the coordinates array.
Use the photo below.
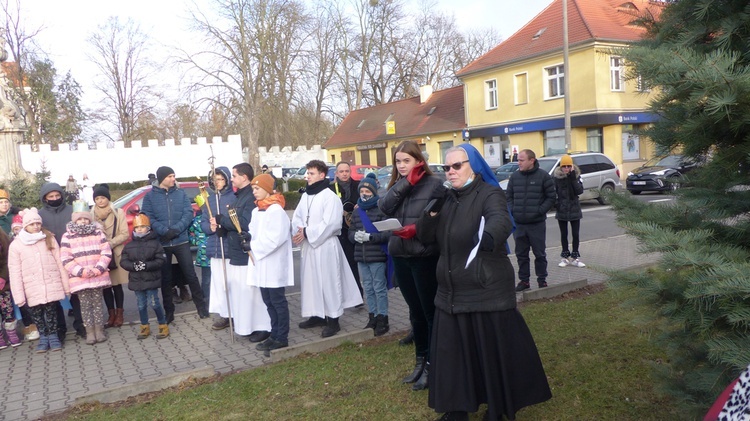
{"type": "Point", "coordinates": [55, 215]}
{"type": "Point", "coordinates": [346, 189]}
{"type": "Point", "coordinates": [169, 210]}
{"type": "Point", "coordinates": [530, 194]}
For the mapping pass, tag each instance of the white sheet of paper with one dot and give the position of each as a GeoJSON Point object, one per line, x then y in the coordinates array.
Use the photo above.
{"type": "Point", "coordinates": [474, 251]}
{"type": "Point", "coordinates": [390, 224]}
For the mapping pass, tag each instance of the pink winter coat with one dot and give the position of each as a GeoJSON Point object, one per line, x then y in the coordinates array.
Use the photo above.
{"type": "Point", "coordinates": [37, 275]}
{"type": "Point", "coordinates": [82, 254]}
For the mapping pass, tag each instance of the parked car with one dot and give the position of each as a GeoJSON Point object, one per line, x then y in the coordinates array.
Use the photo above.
{"type": "Point", "coordinates": [599, 174]}
{"type": "Point", "coordinates": [360, 171]}
{"type": "Point", "coordinates": [288, 172]}
{"type": "Point", "coordinates": [299, 174]}
{"type": "Point", "coordinates": [131, 203]}
{"type": "Point", "coordinates": [662, 173]}
{"type": "Point", "coordinates": [504, 172]}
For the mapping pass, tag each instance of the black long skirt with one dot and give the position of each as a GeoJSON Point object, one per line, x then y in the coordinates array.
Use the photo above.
{"type": "Point", "coordinates": [484, 357]}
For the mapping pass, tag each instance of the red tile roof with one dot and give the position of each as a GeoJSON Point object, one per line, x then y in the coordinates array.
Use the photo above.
{"type": "Point", "coordinates": [588, 20]}
{"type": "Point", "coordinates": [412, 119]}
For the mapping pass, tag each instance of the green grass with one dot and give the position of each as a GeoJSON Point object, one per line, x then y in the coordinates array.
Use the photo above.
{"type": "Point", "coordinates": [597, 363]}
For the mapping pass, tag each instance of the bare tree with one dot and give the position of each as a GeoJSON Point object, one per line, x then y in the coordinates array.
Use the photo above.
{"type": "Point", "coordinates": [126, 75]}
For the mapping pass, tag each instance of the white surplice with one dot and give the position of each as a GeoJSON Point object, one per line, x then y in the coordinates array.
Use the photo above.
{"type": "Point", "coordinates": [272, 248]}
{"type": "Point", "coordinates": [249, 313]}
{"type": "Point", "coordinates": [327, 284]}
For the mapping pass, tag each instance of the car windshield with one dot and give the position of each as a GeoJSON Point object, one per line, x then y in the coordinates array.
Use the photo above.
{"type": "Point", "coordinates": [547, 163]}
{"type": "Point", "coordinates": [671, 161]}
{"type": "Point", "coordinates": [507, 168]}
{"type": "Point", "coordinates": [385, 170]}
{"type": "Point", "coordinates": [125, 199]}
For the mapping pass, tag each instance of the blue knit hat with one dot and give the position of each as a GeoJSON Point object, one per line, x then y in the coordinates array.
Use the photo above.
{"type": "Point", "coordinates": [370, 182]}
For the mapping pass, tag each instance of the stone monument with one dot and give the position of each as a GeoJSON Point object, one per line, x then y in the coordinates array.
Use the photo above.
{"type": "Point", "coordinates": [12, 123]}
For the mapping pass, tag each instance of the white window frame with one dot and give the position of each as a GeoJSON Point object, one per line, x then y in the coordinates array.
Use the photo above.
{"type": "Point", "coordinates": [554, 80]}
{"type": "Point", "coordinates": [490, 94]}
{"type": "Point", "coordinates": [641, 85]}
{"type": "Point", "coordinates": [616, 74]}
{"type": "Point", "coordinates": [517, 89]}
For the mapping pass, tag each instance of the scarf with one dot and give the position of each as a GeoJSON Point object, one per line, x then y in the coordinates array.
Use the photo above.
{"type": "Point", "coordinates": [317, 187]}
{"type": "Point", "coordinates": [86, 229]}
{"type": "Point", "coordinates": [29, 238]}
{"type": "Point", "coordinates": [369, 204]}
{"type": "Point", "coordinates": [102, 214]}
{"type": "Point", "coordinates": [264, 204]}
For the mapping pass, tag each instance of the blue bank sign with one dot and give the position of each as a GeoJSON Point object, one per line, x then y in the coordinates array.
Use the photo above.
{"type": "Point", "coordinates": [589, 120]}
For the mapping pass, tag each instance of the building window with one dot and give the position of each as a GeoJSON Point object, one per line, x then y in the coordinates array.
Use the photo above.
{"type": "Point", "coordinates": [594, 139]}
{"type": "Point", "coordinates": [641, 85]}
{"type": "Point", "coordinates": [616, 79]}
{"type": "Point", "coordinates": [554, 142]}
{"type": "Point", "coordinates": [555, 81]}
{"type": "Point", "coordinates": [490, 94]}
{"type": "Point", "coordinates": [444, 146]}
{"type": "Point", "coordinates": [521, 88]}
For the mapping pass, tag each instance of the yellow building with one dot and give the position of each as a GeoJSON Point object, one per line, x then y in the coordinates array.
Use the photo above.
{"type": "Point", "coordinates": [434, 120]}
{"type": "Point", "coordinates": [514, 94]}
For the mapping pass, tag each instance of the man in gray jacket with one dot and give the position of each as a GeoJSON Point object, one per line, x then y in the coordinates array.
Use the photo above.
{"type": "Point", "coordinates": [530, 194]}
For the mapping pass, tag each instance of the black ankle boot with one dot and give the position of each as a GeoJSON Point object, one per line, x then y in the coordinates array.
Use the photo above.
{"type": "Point", "coordinates": [332, 327]}
{"type": "Point", "coordinates": [370, 322]}
{"type": "Point", "coordinates": [454, 416]}
{"type": "Point", "coordinates": [421, 384]}
{"type": "Point", "coordinates": [381, 325]}
{"type": "Point", "coordinates": [408, 339]}
{"type": "Point", "coordinates": [418, 367]}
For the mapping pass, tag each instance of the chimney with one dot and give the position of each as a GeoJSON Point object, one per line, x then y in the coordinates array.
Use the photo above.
{"type": "Point", "coordinates": [425, 91]}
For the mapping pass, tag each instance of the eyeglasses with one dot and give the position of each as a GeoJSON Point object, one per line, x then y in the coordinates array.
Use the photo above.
{"type": "Point", "coordinates": [567, 166]}
{"type": "Point", "coordinates": [456, 166]}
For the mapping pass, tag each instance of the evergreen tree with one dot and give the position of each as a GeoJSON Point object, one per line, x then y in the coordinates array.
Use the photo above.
{"type": "Point", "coordinates": [696, 59]}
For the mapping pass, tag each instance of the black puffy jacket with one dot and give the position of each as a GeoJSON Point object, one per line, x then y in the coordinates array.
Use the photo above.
{"type": "Point", "coordinates": [530, 194]}
{"type": "Point", "coordinates": [371, 251]}
{"type": "Point", "coordinates": [406, 203]}
{"type": "Point", "coordinates": [148, 250]}
{"type": "Point", "coordinates": [244, 206]}
{"type": "Point", "coordinates": [488, 283]}
{"type": "Point", "coordinates": [568, 188]}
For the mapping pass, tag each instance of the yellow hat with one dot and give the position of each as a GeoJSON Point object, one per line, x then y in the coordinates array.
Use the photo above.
{"type": "Point", "coordinates": [566, 160]}
{"type": "Point", "coordinates": [4, 195]}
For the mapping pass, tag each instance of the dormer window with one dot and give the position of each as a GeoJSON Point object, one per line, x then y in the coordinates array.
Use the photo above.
{"type": "Point", "coordinates": [539, 33]}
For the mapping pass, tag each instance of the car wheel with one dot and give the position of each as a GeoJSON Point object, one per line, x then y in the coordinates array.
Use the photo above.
{"type": "Point", "coordinates": [674, 184]}
{"type": "Point", "coordinates": [604, 193]}
{"type": "Point", "coordinates": [635, 192]}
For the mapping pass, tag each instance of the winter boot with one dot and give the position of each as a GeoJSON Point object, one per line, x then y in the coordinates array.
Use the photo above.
{"type": "Point", "coordinates": [119, 315]}
{"type": "Point", "coordinates": [31, 333]}
{"type": "Point", "coordinates": [381, 325]}
{"type": "Point", "coordinates": [163, 332]}
{"type": "Point", "coordinates": [111, 319]}
{"type": "Point", "coordinates": [370, 322]}
{"type": "Point", "coordinates": [421, 384]}
{"type": "Point", "coordinates": [10, 330]}
{"type": "Point", "coordinates": [54, 343]}
{"type": "Point", "coordinates": [332, 327]}
{"type": "Point", "coordinates": [43, 345]}
{"type": "Point", "coordinates": [99, 333]}
{"type": "Point", "coordinates": [90, 335]}
{"type": "Point", "coordinates": [3, 342]}
{"type": "Point", "coordinates": [145, 332]}
{"type": "Point", "coordinates": [418, 368]}
{"type": "Point", "coordinates": [312, 322]}
{"type": "Point", "coordinates": [407, 340]}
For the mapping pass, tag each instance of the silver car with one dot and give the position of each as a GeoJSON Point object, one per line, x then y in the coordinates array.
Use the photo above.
{"type": "Point", "coordinates": [599, 174]}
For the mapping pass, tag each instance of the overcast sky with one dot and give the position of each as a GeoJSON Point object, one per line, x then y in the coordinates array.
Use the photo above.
{"type": "Point", "coordinates": [68, 24]}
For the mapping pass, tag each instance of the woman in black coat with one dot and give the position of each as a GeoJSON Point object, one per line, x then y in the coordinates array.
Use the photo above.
{"type": "Point", "coordinates": [481, 349]}
{"type": "Point", "coordinates": [568, 187]}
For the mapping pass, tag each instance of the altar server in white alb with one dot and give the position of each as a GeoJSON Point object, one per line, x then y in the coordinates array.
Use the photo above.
{"type": "Point", "coordinates": [271, 246]}
{"type": "Point", "coordinates": [327, 286]}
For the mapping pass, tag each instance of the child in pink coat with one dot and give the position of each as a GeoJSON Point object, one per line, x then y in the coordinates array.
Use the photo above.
{"type": "Point", "coordinates": [37, 277]}
{"type": "Point", "coordinates": [85, 253]}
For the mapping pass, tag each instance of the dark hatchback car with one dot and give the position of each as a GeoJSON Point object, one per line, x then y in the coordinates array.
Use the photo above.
{"type": "Point", "coordinates": [504, 172]}
{"type": "Point", "coordinates": [663, 173]}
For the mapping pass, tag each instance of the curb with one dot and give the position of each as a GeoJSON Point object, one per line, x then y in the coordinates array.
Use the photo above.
{"type": "Point", "coordinates": [320, 345]}
{"type": "Point", "coordinates": [553, 290]}
{"type": "Point", "coordinates": [120, 393]}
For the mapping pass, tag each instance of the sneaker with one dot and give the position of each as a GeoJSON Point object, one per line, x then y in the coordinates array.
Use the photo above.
{"type": "Point", "coordinates": [564, 262]}
{"type": "Point", "coordinates": [542, 284]}
{"type": "Point", "coordinates": [270, 344]}
{"type": "Point", "coordinates": [32, 334]}
{"type": "Point", "coordinates": [522, 286]}
{"type": "Point", "coordinates": [578, 263]}
{"type": "Point", "coordinates": [220, 323]}
{"type": "Point", "coordinates": [259, 336]}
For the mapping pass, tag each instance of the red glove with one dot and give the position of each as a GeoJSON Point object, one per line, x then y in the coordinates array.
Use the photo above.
{"type": "Point", "coordinates": [415, 174]}
{"type": "Point", "coordinates": [408, 231]}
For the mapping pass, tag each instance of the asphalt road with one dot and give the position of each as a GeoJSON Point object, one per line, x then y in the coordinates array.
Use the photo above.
{"type": "Point", "coordinates": [598, 222]}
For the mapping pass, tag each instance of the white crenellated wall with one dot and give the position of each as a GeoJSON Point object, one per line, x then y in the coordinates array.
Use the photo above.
{"type": "Point", "coordinates": [120, 164]}
{"type": "Point", "coordinates": [287, 157]}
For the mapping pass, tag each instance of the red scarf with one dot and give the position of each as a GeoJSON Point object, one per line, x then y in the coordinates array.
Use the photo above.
{"type": "Point", "coordinates": [270, 200]}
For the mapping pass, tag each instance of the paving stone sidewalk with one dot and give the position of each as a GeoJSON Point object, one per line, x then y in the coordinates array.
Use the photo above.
{"type": "Point", "coordinates": [42, 384]}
